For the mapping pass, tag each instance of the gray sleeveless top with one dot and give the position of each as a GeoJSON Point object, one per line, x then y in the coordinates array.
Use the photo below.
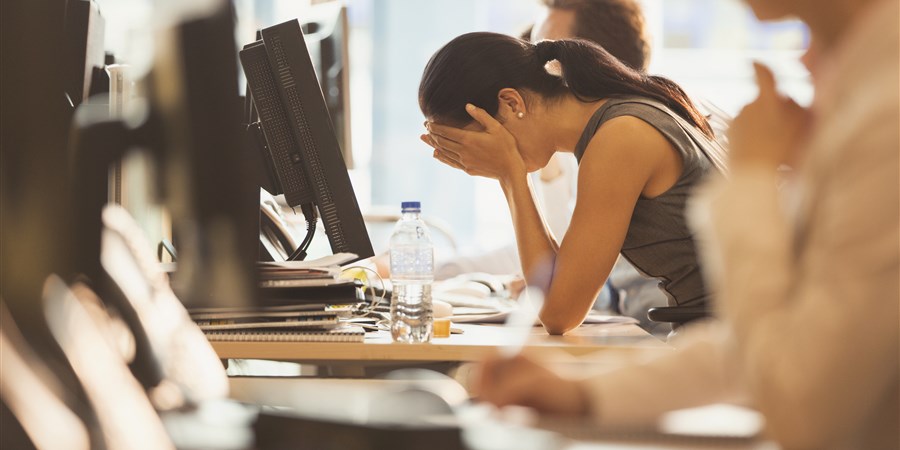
{"type": "Point", "coordinates": [658, 242]}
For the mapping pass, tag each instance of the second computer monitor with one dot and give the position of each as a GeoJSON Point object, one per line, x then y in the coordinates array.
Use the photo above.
{"type": "Point", "coordinates": [300, 140]}
{"type": "Point", "coordinates": [326, 30]}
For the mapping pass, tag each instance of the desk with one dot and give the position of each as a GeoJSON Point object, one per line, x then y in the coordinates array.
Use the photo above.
{"type": "Point", "coordinates": [352, 400]}
{"type": "Point", "coordinates": [474, 344]}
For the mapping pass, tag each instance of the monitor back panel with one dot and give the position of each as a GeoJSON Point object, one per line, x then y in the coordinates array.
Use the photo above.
{"type": "Point", "coordinates": [314, 135]}
{"type": "Point", "coordinates": [280, 146]}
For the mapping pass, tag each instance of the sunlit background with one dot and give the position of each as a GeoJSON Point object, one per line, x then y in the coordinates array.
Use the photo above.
{"type": "Point", "coordinates": [705, 45]}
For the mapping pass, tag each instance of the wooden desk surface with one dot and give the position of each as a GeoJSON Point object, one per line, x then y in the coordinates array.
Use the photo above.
{"type": "Point", "coordinates": [476, 342]}
{"type": "Point", "coordinates": [343, 398]}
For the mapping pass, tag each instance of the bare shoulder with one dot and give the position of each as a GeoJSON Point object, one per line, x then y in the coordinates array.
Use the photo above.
{"type": "Point", "coordinates": [629, 140]}
{"type": "Point", "coordinates": [629, 150]}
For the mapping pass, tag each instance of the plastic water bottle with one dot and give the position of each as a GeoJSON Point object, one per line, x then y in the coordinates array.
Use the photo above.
{"type": "Point", "coordinates": [412, 271]}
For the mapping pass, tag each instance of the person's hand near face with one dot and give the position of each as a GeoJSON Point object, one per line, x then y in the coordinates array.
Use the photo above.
{"type": "Point", "coordinates": [769, 131]}
{"type": "Point", "coordinates": [491, 153]}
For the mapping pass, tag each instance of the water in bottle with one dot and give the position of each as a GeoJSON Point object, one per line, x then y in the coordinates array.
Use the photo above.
{"type": "Point", "coordinates": [412, 271]}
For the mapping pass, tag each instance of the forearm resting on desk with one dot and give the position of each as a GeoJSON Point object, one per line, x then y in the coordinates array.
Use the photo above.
{"type": "Point", "coordinates": [536, 244]}
{"type": "Point", "coordinates": [568, 298]}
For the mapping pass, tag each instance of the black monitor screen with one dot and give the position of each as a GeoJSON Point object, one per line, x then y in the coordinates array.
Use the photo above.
{"type": "Point", "coordinates": [300, 139]}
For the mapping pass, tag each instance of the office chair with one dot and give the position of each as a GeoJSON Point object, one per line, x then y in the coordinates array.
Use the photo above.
{"type": "Point", "coordinates": [678, 315]}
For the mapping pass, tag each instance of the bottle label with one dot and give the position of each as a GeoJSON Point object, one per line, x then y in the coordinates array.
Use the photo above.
{"type": "Point", "coordinates": [412, 262]}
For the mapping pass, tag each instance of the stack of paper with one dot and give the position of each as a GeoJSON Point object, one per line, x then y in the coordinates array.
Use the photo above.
{"type": "Point", "coordinates": [295, 323]}
{"type": "Point", "coordinates": [318, 272]}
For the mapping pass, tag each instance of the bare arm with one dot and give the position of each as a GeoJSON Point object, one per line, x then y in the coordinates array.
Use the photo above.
{"type": "Point", "coordinates": [536, 243]}
{"type": "Point", "coordinates": [625, 154]}
{"type": "Point", "coordinates": [615, 169]}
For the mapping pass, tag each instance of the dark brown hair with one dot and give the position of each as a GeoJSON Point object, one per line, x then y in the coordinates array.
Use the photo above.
{"type": "Point", "coordinates": [616, 25]}
{"type": "Point", "coordinates": [474, 67]}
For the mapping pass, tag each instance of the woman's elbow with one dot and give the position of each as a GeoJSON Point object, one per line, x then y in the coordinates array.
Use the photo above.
{"type": "Point", "coordinates": [556, 325]}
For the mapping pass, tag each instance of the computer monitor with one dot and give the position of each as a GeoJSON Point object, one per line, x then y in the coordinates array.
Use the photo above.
{"type": "Point", "coordinates": [326, 30]}
{"type": "Point", "coordinates": [210, 189]}
{"type": "Point", "coordinates": [301, 147]}
{"type": "Point", "coordinates": [191, 127]}
{"type": "Point", "coordinates": [84, 50]}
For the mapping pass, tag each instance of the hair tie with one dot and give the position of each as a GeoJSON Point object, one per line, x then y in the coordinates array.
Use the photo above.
{"type": "Point", "coordinates": [546, 51]}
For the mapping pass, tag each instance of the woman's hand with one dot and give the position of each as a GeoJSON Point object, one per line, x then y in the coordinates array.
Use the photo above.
{"type": "Point", "coordinates": [491, 153]}
{"type": "Point", "coordinates": [521, 381]}
{"type": "Point", "coordinates": [769, 131]}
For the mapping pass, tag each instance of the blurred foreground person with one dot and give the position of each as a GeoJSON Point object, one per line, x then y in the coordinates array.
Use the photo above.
{"type": "Point", "coordinates": [807, 279]}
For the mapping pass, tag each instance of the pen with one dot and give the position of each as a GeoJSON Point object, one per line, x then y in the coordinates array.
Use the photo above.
{"type": "Point", "coordinates": [521, 320]}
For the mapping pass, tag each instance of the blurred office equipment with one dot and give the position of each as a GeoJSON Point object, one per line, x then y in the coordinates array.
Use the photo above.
{"type": "Point", "coordinates": [176, 347]}
{"type": "Point", "coordinates": [206, 165]}
{"type": "Point", "coordinates": [85, 55]}
{"type": "Point", "coordinates": [35, 409]}
{"type": "Point", "coordinates": [36, 198]}
{"type": "Point", "coordinates": [191, 127]}
{"type": "Point", "coordinates": [55, 224]}
{"type": "Point", "coordinates": [297, 138]}
{"type": "Point", "coordinates": [411, 409]}
{"type": "Point", "coordinates": [125, 415]}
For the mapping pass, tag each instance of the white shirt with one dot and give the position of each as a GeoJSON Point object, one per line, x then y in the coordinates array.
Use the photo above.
{"type": "Point", "coordinates": [556, 199]}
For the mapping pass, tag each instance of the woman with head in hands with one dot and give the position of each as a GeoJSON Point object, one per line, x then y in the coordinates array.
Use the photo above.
{"type": "Point", "coordinates": [500, 107]}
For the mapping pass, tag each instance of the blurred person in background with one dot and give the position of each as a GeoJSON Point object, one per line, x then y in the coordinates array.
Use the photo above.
{"type": "Point", "coordinates": [807, 278]}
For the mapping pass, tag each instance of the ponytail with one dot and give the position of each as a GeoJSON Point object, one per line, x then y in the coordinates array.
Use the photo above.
{"type": "Point", "coordinates": [592, 73]}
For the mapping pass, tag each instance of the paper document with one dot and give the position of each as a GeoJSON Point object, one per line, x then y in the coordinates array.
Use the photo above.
{"type": "Point", "coordinates": [496, 309]}
{"type": "Point", "coordinates": [476, 315]}
{"type": "Point", "coordinates": [328, 261]}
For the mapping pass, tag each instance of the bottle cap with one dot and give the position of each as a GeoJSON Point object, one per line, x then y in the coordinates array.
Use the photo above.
{"type": "Point", "coordinates": [411, 206]}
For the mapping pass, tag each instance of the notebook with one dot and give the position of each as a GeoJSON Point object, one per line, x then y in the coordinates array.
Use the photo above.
{"type": "Point", "coordinates": [302, 282]}
{"type": "Point", "coordinates": [318, 307]}
{"type": "Point", "coordinates": [323, 322]}
{"type": "Point", "coordinates": [342, 334]}
{"type": "Point", "coordinates": [260, 314]}
{"type": "Point", "coordinates": [284, 294]}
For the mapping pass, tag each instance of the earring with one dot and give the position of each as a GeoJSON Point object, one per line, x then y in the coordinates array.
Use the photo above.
{"type": "Point", "coordinates": [520, 115]}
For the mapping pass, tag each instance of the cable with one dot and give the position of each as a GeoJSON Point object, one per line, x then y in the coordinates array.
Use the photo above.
{"type": "Point", "coordinates": [366, 284]}
{"type": "Point", "coordinates": [312, 216]}
{"type": "Point", "coordinates": [365, 309]}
